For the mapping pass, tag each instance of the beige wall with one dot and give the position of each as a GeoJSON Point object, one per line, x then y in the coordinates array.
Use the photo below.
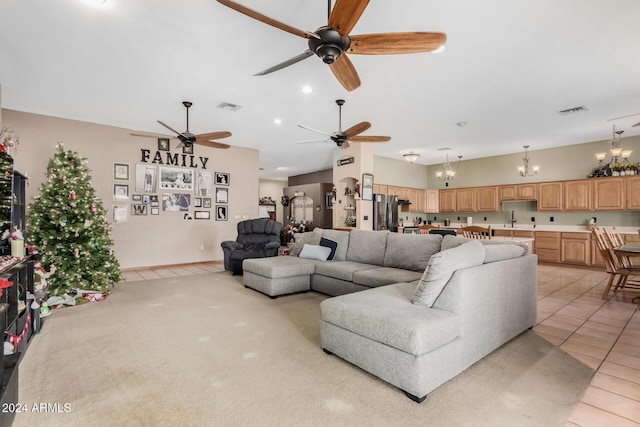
{"type": "Point", "coordinates": [399, 173]}
{"type": "Point", "coordinates": [570, 162]}
{"type": "Point", "coordinates": [143, 240]}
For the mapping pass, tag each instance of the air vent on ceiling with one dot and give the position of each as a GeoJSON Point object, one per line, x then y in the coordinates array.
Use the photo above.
{"type": "Point", "coordinates": [444, 149]}
{"type": "Point", "coordinates": [573, 110]}
{"type": "Point", "coordinates": [229, 106]}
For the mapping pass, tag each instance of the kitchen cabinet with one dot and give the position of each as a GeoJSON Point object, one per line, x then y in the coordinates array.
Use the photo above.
{"type": "Point", "coordinates": [596, 258]}
{"type": "Point", "coordinates": [577, 195]}
{"type": "Point", "coordinates": [379, 189]}
{"type": "Point", "coordinates": [502, 233]}
{"type": "Point", "coordinates": [550, 196]}
{"type": "Point", "coordinates": [527, 191]}
{"type": "Point", "coordinates": [466, 199]}
{"type": "Point", "coordinates": [487, 199]}
{"type": "Point", "coordinates": [508, 193]}
{"type": "Point", "coordinates": [447, 200]}
{"type": "Point", "coordinates": [547, 245]}
{"type": "Point", "coordinates": [633, 192]}
{"type": "Point", "coordinates": [422, 201]}
{"type": "Point", "coordinates": [575, 248]}
{"type": "Point", "coordinates": [393, 191]}
{"type": "Point", "coordinates": [608, 194]}
{"type": "Point", "coordinates": [433, 201]}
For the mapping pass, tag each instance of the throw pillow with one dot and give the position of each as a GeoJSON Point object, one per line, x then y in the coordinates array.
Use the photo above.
{"type": "Point", "coordinates": [331, 245]}
{"type": "Point", "coordinates": [442, 266]}
{"type": "Point", "coordinates": [315, 252]}
{"type": "Point", "coordinates": [310, 237]}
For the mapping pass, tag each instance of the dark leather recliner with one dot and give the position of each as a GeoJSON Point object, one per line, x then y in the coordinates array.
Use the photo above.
{"type": "Point", "coordinates": [257, 238]}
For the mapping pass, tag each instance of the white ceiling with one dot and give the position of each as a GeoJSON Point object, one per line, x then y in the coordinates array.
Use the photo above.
{"type": "Point", "coordinates": [509, 67]}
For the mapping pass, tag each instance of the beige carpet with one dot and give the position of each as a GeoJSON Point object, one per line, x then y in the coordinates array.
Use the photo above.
{"type": "Point", "coordinates": [205, 351]}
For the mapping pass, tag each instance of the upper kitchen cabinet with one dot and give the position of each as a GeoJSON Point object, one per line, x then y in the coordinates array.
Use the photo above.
{"type": "Point", "coordinates": [447, 199]}
{"type": "Point", "coordinates": [608, 194]}
{"type": "Point", "coordinates": [433, 201]}
{"type": "Point", "coordinates": [487, 199]}
{"type": "Point", "coordinates": [577, 195]}
{"type": "Point", "coordinates": [550, 196]}
{"type": "Point", "coordinates": [466, 199]}
{"type": "Point", "coordinates": [633, 192]}
{"type": "Point", "coordinates": [518, 192]}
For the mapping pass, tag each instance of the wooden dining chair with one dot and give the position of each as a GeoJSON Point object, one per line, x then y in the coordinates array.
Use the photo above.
{"type": "Point", "coordinates": [614, 239]}
{"type": "Point", "coordinates": [614, 266]}
{"type": "Point", "coordinates": [424, 229]}
{"type": "Point", "coordinates": [477, 232]}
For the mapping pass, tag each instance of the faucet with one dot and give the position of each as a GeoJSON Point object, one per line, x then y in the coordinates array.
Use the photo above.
{"type": "Point", "coordinates": [513, 218]}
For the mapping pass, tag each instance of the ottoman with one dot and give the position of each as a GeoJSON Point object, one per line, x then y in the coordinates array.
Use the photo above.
{"type": "Point", "coordinates": [280, 275]}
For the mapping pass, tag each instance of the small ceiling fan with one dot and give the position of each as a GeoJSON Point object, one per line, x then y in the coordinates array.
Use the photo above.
{"type": "Point", "coordinates": [342, 138]}
{"type": "Point", "coordinates": [187, 138]}
{"type": "Point", "coordinates": [332, 42]}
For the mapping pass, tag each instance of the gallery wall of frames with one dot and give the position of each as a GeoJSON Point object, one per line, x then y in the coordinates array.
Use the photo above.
{"type": "Point", "coordinates": [145, 189]}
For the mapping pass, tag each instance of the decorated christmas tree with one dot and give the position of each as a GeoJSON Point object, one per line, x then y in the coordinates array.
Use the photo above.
{"type": "Point", "coordinates": [67, 225]}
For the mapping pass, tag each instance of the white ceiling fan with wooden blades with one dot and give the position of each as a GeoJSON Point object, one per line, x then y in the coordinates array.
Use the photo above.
{"type": "Point", "coordinates": [333, 41]}
{"type": "Point", "coordinates": [187, 138]}
{"type": "Point", "coordinates": [342, 137]}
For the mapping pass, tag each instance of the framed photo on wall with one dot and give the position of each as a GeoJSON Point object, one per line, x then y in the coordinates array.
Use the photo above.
{"type": "Point", "coordinates": [221, 213]}
{"type": "Point", "coordinates": [206, 202]}
{"type": "Point", "coordinates": [222, 178]}
{"type": "Point", "coordinates": [145, 178]}
{"type": "Point", "coordinates": [138, 210]}
{"type": "Point", "coordinates": [222, 195]}
{"type": "Point", "coordinates": [121, 171]}
{"type": "Point", "coordinates": [176, 178]}
{"type": "Point", "coordinates": [204, 180]}
{"type": "Point", "coordinates": [163, 144]}
{"type": "Point", "coordinates": [367, 186]}
{"type": "Point", "coordinates": [120, 191]}
{"type": "Point", "coordinates": [202, 214]}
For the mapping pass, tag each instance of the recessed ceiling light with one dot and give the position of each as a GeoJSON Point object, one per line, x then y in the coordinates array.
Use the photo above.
{"type": "Point", "coordinates": [440, 49]}
{"type": "Point", "coordinates": [461, 124]}
{"type": "Point", "coordinates": [277, 121]}
{"type": "Point", "coordinates": [307, 89]}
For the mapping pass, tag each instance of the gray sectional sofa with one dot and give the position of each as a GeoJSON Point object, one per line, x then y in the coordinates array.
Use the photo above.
{"type": "Point", "coordinates": [413, 310]}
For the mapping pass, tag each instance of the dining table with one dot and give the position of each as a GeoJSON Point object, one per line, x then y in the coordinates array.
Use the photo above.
{"type": "Point", "coordinates": [629, 250]}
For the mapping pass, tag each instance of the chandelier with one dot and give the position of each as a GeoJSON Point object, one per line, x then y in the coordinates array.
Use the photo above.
{"type": "Point", "coordinates": [448, 173]}
{"type": "Point", "coordinates": [524, 169]}
{"type": "Point", "coordinates": [615, 150]}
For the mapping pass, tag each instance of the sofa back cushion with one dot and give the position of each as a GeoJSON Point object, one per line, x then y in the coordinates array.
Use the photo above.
{"type": "Point", "coordinates": [442, 266]}
{"type": "Point", "coordinates": [411, 251]}
{"type": "Point", "coordinates": [493, 253]}
{"type": "Point", "coordinates": [341, 238]}
{"type": "Point", "coordinates": [367, 246]}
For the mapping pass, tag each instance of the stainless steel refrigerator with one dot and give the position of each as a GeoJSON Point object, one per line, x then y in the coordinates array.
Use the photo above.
{"type": "Point", "coordinates": [385, 212]}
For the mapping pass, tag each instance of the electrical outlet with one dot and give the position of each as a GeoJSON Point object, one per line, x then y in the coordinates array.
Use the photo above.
{"type": "Point", "coordinates": [434, 218]}
{"type": "Point", "coordinates": [366, 218]}
{"type": "Point", "coordinates": [551, 219]}
{"type": "Point", "coordinates": [458, 218]}
{"type": "Point", "coordinates": [533, 219]}
{"type": "Point", "coordinates": [485, 218]}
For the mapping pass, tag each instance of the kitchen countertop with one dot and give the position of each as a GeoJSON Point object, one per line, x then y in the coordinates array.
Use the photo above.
{"type": "Point", "coordinates": [530, 227]}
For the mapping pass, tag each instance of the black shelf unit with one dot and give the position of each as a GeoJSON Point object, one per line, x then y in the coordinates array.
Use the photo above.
{"type": "Point", "coordinates": [15, 310]}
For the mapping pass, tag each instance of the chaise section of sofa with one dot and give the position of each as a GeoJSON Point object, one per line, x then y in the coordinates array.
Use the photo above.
{"type": "Point", "coordinates": [417, 348]}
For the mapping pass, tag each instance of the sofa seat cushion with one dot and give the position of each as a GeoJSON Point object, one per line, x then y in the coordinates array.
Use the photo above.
{"type": "Point", "coordinates": [386, 315]}
{"type": "Point", "coordinates": [381, 276]}
{"type": "Point", "coordinates": [342, 270]}
{"type": "Point", "coordinates": [411, 251]}
{"type": "Point", "coordinates": [280, 266]}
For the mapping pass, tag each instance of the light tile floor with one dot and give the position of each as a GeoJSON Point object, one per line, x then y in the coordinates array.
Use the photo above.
{"type": "Point", "coordinates": [604, 334]}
